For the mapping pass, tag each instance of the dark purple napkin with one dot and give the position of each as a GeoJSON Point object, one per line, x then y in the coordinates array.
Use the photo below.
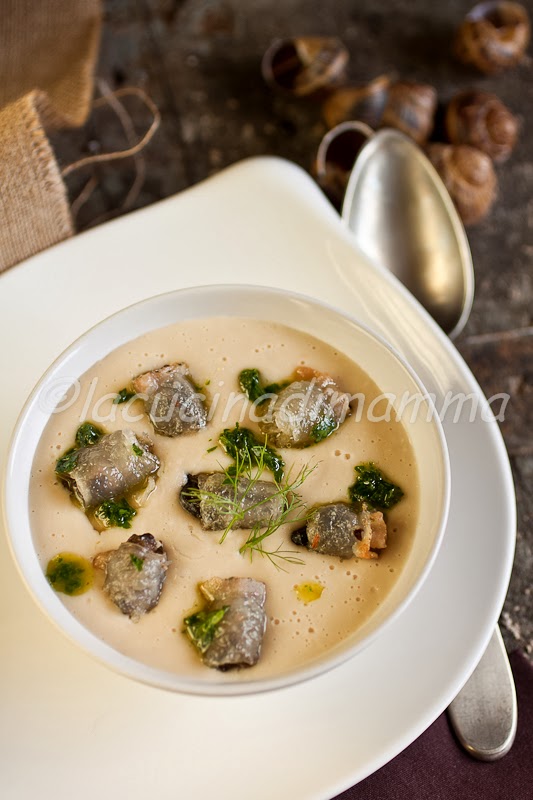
{"type": "Point", "coordinates": [436, 767]}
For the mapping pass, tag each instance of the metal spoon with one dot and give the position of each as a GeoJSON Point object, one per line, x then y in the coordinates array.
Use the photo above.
{"type": "Point", "coordinates": [404, 219]}
{"type": "Point", "coordinates": [484, 714]}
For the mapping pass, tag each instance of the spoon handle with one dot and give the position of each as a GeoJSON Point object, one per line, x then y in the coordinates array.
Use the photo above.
{"type": "Point", "coordinates": [484, 713]}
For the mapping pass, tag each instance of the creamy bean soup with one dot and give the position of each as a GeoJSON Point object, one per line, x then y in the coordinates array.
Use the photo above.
{"type": "Point", "coordinates": [213, 497]}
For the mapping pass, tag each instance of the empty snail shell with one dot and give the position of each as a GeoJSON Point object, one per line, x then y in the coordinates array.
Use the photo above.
{"type": "Point", "coordinates": [493, 36]}
{"type": "Point", "coordinates": [411, 109]}
{"type": "Point", "coordinates": [362, 103]}
{"type": "Point", "coordinates": [481, 120]}
{"type": "Point", "coordinates": [469, 176]}
{"type": "Point", "coordinates": [336, 156]}
{"type": "Point", "coordinates": [302, 65]}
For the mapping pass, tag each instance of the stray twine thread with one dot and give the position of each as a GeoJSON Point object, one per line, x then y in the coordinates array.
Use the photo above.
{"type": "Point", "coordinates": [132, 151]}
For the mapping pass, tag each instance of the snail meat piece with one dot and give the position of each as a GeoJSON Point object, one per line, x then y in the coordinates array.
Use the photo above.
{"type": "Point", "coordinates": [494, 36]}
{"type": "Point", "coordinates": [344, 531]}
{"type": "Point", "coordinates": [229, 631]}
{"type": "Point", "coordinates": [117, 464]}
{"type": "Point", "coordinates": [171, 400]}
{"type": "Point", "coordinates": [411, 109]}
{"type": "Point", "coordinates": [469, 177]}
{"type": "Point", "coordinates": [307, 411]}
{"type": "Point", "coordinates": [210, 498]}
{"type": "Point", "coordinates": [481, 120]}
{"type": "Point", "coordinates": [134, 574]}
{"type": "Point", "coordinates": [305, 64]}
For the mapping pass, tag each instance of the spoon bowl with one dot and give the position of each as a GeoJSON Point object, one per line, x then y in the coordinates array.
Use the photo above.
{"type": "Point", "coordinates": [404, 219]}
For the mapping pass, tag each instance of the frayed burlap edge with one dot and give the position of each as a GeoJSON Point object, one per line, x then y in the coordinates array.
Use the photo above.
{"type": "Point", "coordinates": [34, 208]}
{"type": "Point", "coordinates": [48, 57]}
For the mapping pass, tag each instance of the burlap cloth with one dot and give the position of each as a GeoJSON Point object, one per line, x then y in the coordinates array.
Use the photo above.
{"type": "Point", "coordinates": [48, 50]}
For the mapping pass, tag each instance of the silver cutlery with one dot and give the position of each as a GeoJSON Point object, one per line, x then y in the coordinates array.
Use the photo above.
{"type": "Point", "coordinates": [404, 219]}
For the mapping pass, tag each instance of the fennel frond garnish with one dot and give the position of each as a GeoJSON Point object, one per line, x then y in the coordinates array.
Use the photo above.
{"type": "Point", "coordinates": [293, 510]}
{"type": "Point", "coordinates": [240, 478]}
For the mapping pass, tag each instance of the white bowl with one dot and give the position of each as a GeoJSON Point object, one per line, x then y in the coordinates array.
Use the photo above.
{"type": "Point", "coordinates": [389, 371]}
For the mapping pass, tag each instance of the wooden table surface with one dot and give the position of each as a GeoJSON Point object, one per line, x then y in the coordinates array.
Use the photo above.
{"type": "Point", "coordinates": [199, 60]}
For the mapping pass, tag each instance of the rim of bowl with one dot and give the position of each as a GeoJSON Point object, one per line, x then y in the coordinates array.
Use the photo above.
{"type": "Point", "coordinates": [136, 670]}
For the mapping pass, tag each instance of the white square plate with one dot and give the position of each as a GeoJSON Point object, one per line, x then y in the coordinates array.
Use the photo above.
{"type": "Point", "coordinates": [69, 724]}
